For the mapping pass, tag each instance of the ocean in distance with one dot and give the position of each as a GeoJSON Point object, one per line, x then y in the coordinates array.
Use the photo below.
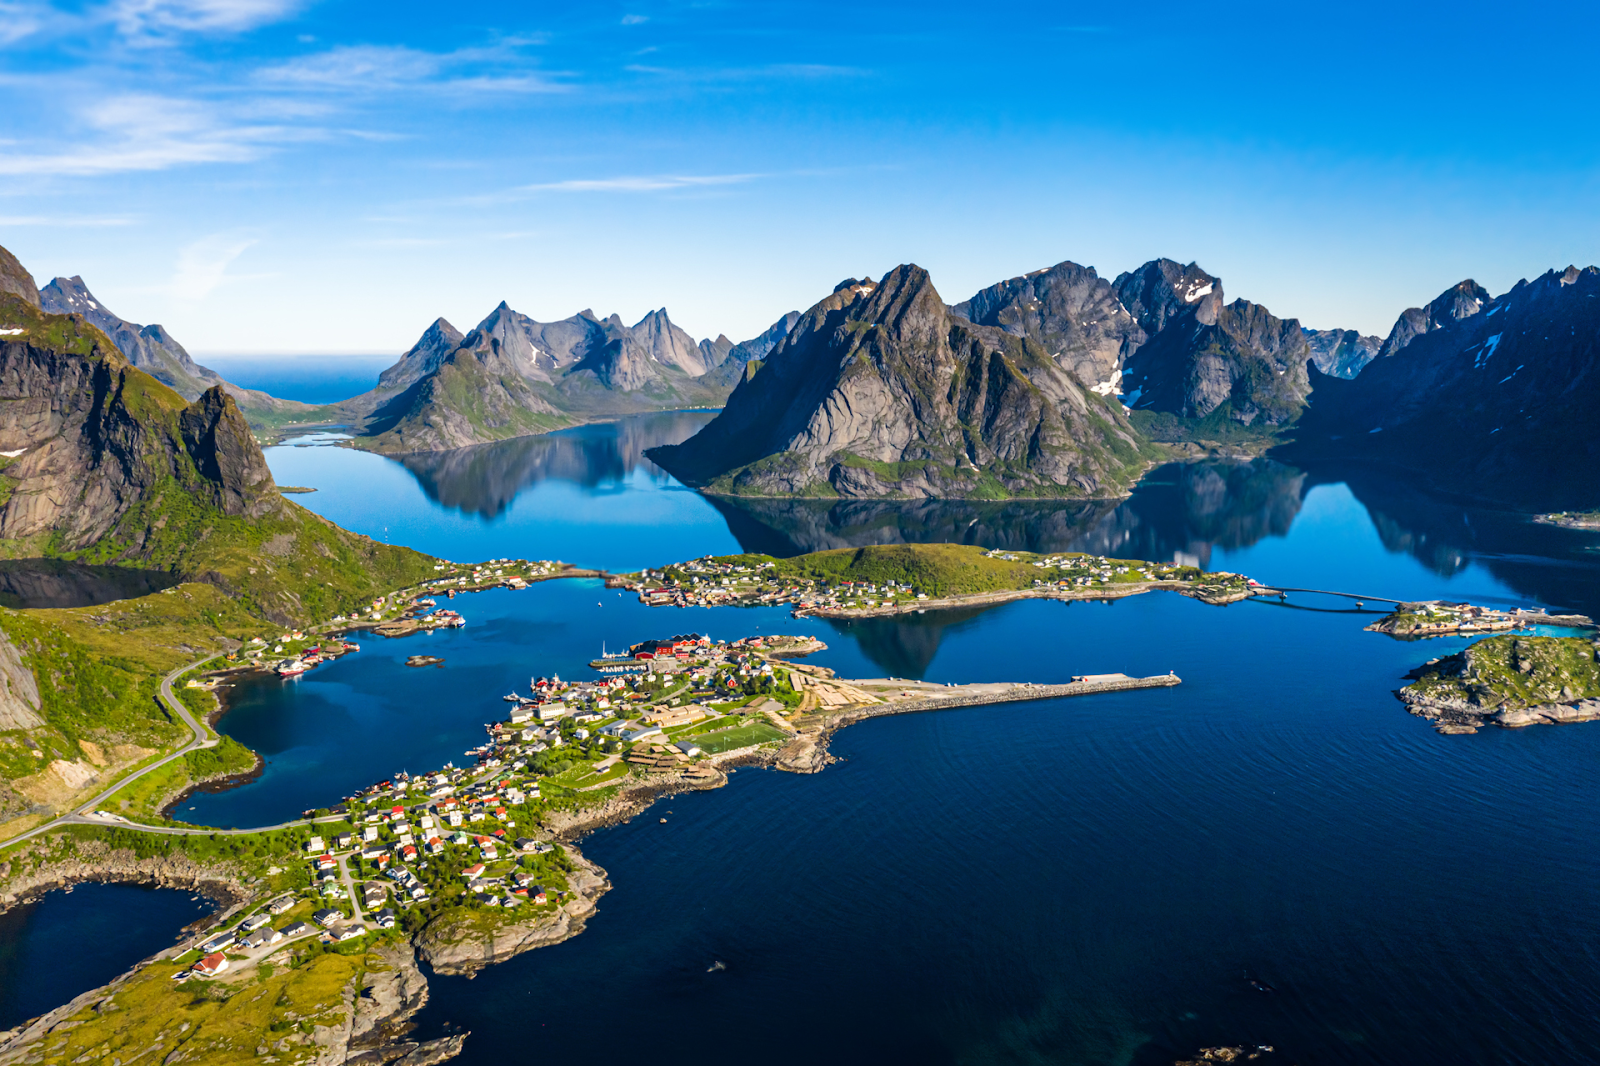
{"type": "Point", "coordinates": [1075, 881]}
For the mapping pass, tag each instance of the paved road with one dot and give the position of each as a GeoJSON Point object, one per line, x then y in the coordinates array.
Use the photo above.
{"type": "Point", "coordinates": [200, 737]}
{"type": "Point", "coordinates": [350, 887]}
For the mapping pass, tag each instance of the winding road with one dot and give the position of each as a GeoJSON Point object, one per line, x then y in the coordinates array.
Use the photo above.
{"type": "Point", "coordinates": [200, 737]}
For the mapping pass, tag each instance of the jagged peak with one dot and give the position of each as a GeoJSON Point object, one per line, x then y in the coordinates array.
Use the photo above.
{"type": "Point", "coordinates": [15, 279]}
{"type": "Point", "coordinates": [865, 284]}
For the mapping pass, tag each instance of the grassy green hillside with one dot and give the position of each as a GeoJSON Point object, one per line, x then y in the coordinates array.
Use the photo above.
{"type": "Point", "coordinates": [1514, 671]}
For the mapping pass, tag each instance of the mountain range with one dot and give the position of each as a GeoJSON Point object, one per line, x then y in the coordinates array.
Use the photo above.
{"type": "Point", "coordinates": [512, 375]}
{"type": "Point", "coordinates": [153, 350]}
{"type": "Point", "coordinates": [880, 389]}
{"type": "Point", "coordinates": [1488, 396]}
{"type": "Point", "coordinates": [861, 401]}
{"type": "Point", "coordinates": [1055, 383]}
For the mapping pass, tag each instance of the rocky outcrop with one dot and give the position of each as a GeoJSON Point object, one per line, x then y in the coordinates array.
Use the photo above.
{"type": "Point", "coordinates": [22, 879]}
{"type": "Point", "coordinates": [15, 279]}
{"type": "Point", "coordinates": [1497, 404]}
{"type": "Point", "coordinates": [1512, 681]}
{"type": "Point", "coordinates": [98, 438]}
{"type": "Point", "coordinates": [451, 947]}
{"type": "Point", "coordinates": [155, 351]}
{"type": "Point", "coordinates": [881, 390]}
{"type": "Point", "coordinates": [19, 692]}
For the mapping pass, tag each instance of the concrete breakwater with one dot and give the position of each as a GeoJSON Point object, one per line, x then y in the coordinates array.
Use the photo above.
{"type": "Point", "coordinates": [807, 751]}
{"type": "Point", "coordinates": [1011, 694]}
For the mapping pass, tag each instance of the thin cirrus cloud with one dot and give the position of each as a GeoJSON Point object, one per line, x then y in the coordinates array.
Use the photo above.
{"type": "Point", "coordinates": [146, 19]}
{"type": "Point", "coordinates": [138, 132]}
{"type": "Point", "coordinates": [655, 183]}
{"type": "Point", "coordinates": [389, 67]}
{"type": "Point", "coordinates": [63, 221]}
{"type": "Point", "coordinates": [203, 265]}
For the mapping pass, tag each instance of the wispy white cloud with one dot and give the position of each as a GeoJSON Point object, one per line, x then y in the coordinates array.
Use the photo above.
{"type": "Point", "coordinates": [63, 221]}
{"type": "Point", "coordinates": [20, 19]}
{"type": "Point", "coordinates": [390, 67]}
{"type": "Point", "coordinates": [147, 20]}
{"type": "Point", "coordinates": [654, 183]}
{"type": "Point", "coordinates": [767, 71]}
{"type": "Point", "coordinates": [373, 66]}
{"type": "Point", "coordinates": [203, 265]}
{"type": "Point", "coordinates": [138, 131]}
{"type": "Point", "coordinates": [635, 20]}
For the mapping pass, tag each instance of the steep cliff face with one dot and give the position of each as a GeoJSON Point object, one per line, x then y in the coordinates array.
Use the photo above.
{"type": "Point", "coordinates": [1164, 338]}
{"type": "Point", "coordinates": [1499, 403]}
{"type": "Point", "coordinates": [88, 437]}
{"type": "Point", "coordinates": [881, 390]}
{"type": "Point", "coordinates": [728, 360]}
{"type": "Point", "coordinates": [1207, 356]}
{"type": "Point", "coordinates": [1069, 311]}
{"type": "Point", "coordinates": [155, 351]}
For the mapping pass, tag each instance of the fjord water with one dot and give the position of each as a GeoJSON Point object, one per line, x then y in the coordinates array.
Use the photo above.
{"type": "Point", "coordinates": [66, 943]}
{"type": "Point", "coordinates": [1074, 881]}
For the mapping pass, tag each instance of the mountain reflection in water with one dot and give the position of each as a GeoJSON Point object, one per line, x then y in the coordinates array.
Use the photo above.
{"type": "Point", "coordinates": [485, 479]}
{"type": "Point", "coordinates": [1178, 512]}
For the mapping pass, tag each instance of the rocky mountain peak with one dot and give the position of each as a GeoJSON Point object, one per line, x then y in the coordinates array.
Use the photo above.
{"type": "Point", "coordinates": [879, 389]}
{"type": "Point", "coordinates": [1461, 300]}
{"type": "Point", "coordinates": [15, 279]}
{"type": "Point", "coordinates": [1162, 289]}
{"type": "Point", "coordinates": [1071, 312]}
{"type": "Point", "coordinates": [423, 357]}
{"type": "Point", "coordinates": [227, 456]}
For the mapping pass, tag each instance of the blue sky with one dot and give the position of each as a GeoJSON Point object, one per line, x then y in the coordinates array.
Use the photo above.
{"type": "Point", "coordinates": [291, 175]}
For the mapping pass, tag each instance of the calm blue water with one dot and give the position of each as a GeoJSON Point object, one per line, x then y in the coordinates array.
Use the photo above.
{"type": "Point", "coordinates": [1080, 881]}
{"type": "Point", "coordinates": [307, 378]}
{"type": "Point", "coordinates": [63, 945]}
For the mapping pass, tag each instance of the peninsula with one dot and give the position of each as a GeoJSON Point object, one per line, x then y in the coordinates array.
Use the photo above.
{"type": "Point", "coordinates": [461, 867]}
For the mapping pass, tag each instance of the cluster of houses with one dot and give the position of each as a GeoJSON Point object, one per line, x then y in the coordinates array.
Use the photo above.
{"type": "Point", "coordinates": [1432, 617]}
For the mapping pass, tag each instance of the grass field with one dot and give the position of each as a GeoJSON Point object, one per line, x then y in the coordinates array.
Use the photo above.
{"type": "Point", "coordinates": [757, 732]}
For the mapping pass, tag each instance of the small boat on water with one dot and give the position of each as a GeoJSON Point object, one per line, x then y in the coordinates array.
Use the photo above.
{"type": "Point", "coordinates": [291, 668]}
{"type": "Point", "coordinates": [512, 697]}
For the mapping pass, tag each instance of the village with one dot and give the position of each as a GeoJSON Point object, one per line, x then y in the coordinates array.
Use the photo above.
{"type": "Point", "coordinates": [406, 850]}
{"type": "Point", "coordinates": [877, 581]}
{"type": "Point", "coordinates": [1430, 618]}
{"type": "Point", "coordinates": [473, 843]}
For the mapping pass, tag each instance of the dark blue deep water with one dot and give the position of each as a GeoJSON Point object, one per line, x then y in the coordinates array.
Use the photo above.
{"type": "Point", "coordinates": [307, 378]}
{"type": "Point", "coordinates": [66, 943]}
{"type": "Point", "coordinates": [1078, 881]}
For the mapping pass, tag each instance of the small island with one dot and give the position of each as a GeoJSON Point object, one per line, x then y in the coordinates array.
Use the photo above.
{"type": "Point", "coordinates": [1510, 680]}
{"type": "Point", "coordinates": [1571, 519]}
{"type": "Point", "coordinates": [883, 580]}
{"type": "Point", "coordinates": [1431, 618]}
